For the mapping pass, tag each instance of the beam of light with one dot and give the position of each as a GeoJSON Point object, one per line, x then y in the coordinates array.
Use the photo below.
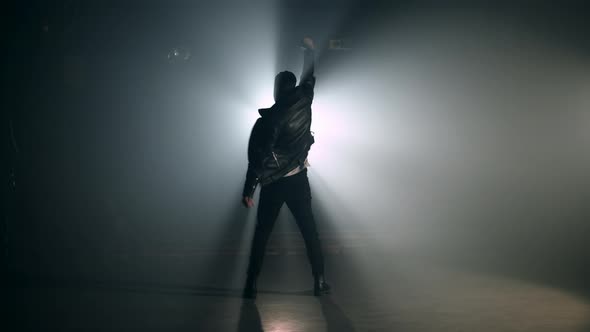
{"type": "Point", "coordinates": [241, 82]}
{"type": "Point", "coordinates": [442, 144]}
{"type": "Point", "coordinates": [400, 136]}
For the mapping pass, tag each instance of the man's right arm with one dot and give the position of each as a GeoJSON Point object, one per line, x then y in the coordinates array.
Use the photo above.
{"type": "Point", "coordinates": [307, 81]}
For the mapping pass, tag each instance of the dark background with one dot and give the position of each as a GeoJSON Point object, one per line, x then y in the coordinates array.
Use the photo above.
{"type": "Point", "coordinates": [458, 132]}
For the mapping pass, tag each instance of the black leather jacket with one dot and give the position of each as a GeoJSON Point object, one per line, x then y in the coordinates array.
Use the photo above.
{"type": "Point", "coordinates": [281, 137]}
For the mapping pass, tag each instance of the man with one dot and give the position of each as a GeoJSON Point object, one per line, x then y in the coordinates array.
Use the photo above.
{"type": "Point", "coordinates": [277, 159]}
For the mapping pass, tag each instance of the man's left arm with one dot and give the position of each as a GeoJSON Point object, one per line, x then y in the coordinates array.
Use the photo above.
{"type": "Point", "coordinates": [251, 176]}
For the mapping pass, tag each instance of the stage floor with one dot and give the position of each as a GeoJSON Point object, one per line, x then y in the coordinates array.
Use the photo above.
{"type": "Point", "coordinates": [371, 292]}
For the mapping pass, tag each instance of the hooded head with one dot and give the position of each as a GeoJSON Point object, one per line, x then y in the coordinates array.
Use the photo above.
{"type": "Point", "coordinates": [284, 83]}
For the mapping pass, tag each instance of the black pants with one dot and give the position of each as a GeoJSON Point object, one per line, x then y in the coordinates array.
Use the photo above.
{"type": "Point", "coordinates": [293, 190]}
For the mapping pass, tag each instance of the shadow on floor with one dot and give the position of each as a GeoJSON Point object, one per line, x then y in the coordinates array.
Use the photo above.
{"type": "Point", "coordinates": [336, 319]}
{"type": "Point", "coordinates": [249, 318]}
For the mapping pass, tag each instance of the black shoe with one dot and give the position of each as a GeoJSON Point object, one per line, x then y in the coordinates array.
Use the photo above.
{"type": "Point", "coordinates": [320, 286]}
{"type": "Point", "coordinates": [250, 289]}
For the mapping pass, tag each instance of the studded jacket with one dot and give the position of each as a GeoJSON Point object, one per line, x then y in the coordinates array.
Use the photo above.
{"type": "Point", "coordinates": [281, 138]}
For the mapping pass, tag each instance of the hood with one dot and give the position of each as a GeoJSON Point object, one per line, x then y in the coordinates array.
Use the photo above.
{"type": "Point", "coordinates": [264, 111]}
{"type": "Point", "coordinates": [283, 103]}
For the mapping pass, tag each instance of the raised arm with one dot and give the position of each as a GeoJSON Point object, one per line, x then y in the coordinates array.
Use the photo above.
{"type": "Point", "coordinates": [307, 81]}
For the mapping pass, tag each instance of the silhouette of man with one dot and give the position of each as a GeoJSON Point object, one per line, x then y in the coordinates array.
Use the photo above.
{"type": "Point", "coordinates": [277, 159]}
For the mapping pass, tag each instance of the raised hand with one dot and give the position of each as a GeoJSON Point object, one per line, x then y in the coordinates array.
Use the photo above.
{"type": "Point", "coordinates": [308, 43]}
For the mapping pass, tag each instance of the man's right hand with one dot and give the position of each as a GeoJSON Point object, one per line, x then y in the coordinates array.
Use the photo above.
{"type": "Point", "coordinates": [308, 43]}
{"type": "Point", "coordinates": [248, 202]}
